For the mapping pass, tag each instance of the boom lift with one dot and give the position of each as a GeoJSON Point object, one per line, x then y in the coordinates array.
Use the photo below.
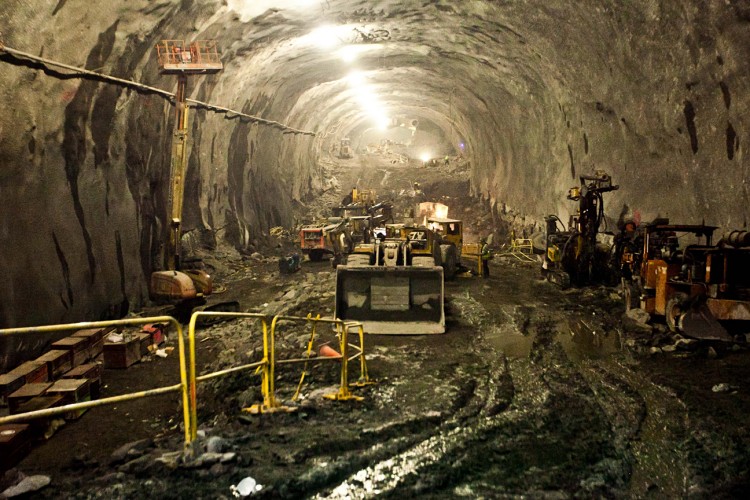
{"type": "Point", "coordinates": [176, 285]}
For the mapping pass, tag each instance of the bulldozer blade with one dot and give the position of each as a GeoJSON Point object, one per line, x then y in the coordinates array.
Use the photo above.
{"type": "Point", "coordinates": [699, 323]}
{"type": "Point", "coordinates": [401, 300]}
{"type": "Point", "coordinates": [229, 306]}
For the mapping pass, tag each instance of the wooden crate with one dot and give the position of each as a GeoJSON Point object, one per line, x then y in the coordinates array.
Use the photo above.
{"type": "Point", "coordinates": [93, 373]}
{"type": "Point", "coordinates": [78, 347]}
{"type": "Point", "coordinates": [24, 394]}
{"type": "Point", "coordinates": [73, 391]}
{"type": "Point", "coordinates": [122, 354]}
{"type": "Point", "coordinates": [144, 340]}
{"type": "Point", "coordinates": [33, 371]}
{"type": "Point", "coordinates": [15, 442]}
{"type": "Point", "coordinates": [10, 383]}
{"type": "Point", "coordinates": [58, 362]}
{"type": "Point", "coordinates": [95, 338]}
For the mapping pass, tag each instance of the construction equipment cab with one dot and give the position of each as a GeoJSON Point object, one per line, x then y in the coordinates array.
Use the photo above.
{"type": "Point", "coordinates": [345, 149]}
{"type": "Point", "coordinates": [451, 233]}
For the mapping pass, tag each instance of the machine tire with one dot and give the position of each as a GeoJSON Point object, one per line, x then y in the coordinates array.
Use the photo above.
{"type": "Point", "coordinates": [423, 262]}
{"type": "Point", "coordinates": [675, 307]}
{"type": "Point", "coordinates": [449, 258]}
{"type": "Point", "coordinates": [358, 260]}
{"type": "Point", "coordinates": [630, 296]}
{"type": "Point", "coordinates": [316, 255]}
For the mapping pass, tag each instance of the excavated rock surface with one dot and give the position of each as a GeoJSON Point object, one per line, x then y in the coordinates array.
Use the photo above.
{"type": "Point", "coordinates": [538, 92]}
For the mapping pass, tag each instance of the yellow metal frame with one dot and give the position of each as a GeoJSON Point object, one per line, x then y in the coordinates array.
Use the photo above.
{"type": "Point", "coordinates": [342, 332]}
{"type": "Point", "coordinates": [182, 386]}
{"type": "Point", "coordinates": [266, 364]}
{"type": "Point", "coordinates": [189, 379]}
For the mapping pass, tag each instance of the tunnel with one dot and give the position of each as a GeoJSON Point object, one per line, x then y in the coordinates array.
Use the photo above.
{"type": "Point", "coordinates": [513, 101]}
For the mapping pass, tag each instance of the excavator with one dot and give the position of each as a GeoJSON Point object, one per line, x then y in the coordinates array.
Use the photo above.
{"type": "Point", "coordinates": [183, 288]}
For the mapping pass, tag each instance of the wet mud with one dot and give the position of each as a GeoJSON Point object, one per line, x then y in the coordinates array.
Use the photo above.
{"type": "Point", "coordinates": [531, 392]}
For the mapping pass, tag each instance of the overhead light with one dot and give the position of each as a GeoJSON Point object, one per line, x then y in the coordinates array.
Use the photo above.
{"type": "Point", "coordinates": [325, 37]}
{"type": "Point", "coordinates": [382, 122]}
{"type": "Point", "coordinates": [355, 78]}
{"type": "Point", "coordinates": [349, 52]}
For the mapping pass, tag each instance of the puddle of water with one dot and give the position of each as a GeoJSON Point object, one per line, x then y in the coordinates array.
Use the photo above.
{"type": "Point", "coordinates": [579, 338]}
{"type": "Point", "coordinates": [582, 339]}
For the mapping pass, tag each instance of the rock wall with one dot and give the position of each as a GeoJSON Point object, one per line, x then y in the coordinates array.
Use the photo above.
{"type": "Point", "coordinates": [540, 92]}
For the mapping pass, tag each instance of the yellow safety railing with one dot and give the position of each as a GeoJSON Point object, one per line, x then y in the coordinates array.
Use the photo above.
{"type": "Point", "coordinates": [182, 386]}
{"type": "Point", "coordinates": [342, 332]}
{"type": "Point", "coordinates": [268, 364]}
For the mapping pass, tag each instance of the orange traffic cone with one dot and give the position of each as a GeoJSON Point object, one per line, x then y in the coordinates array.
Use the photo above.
{"type": "Point", "coordinates": [328, 352]}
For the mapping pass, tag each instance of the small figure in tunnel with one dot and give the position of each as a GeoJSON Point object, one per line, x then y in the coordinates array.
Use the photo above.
{"type": "Point", "coordinates": [486, 255]}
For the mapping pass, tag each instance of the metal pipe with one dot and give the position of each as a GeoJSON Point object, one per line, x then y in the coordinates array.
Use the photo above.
{"type": "Point", "coordinates": [305, 360]}
{"type": "Point", "coordinates": [22, 417]}
{"type": "Point", "coordinates": [227, 371]}
{"type": "Point", "coordinates": [155, 90]}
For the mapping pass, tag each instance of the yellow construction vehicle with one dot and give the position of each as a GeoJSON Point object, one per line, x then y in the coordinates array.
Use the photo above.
{"type": "Point", "coordinates": [395, 284]}
{"type": "Point", "coordinates": [451, 232]}
{"type": "Point", "coordinates": [345, 149]}
{"type": "Point", "coordinates": [174, 285]}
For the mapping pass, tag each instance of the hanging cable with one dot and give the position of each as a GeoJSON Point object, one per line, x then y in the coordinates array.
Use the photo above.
{"type": "Point", "coordinates": [154, 90]}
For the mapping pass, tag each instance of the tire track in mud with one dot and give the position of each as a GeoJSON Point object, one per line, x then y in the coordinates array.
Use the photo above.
{"type": "Point", "coordinates": [650, 423]}
{"type": "Point", "coordinates": [538, 429]}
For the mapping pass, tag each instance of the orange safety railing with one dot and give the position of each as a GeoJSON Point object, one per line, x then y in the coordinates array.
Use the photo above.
{"type": "Point", "coordinates": [171, 52]}
{"type": "Point", "coordinates": [181, 387]}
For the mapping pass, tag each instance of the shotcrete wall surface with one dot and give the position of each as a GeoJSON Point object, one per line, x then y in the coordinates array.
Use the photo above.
{"type": "Point", "coordinates": [539, 92]}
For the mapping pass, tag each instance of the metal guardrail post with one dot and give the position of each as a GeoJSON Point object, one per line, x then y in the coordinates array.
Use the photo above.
{"type": "Point", "coordinates": [364, 377]}
{"type": "Point", "coordinates": [267, 378]}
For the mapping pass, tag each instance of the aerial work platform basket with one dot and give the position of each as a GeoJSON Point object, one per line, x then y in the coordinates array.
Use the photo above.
{"type": "Point", "coordinates": [179, 57]}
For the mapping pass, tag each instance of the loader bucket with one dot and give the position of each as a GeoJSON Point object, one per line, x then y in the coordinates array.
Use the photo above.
{"type": "Point", "coordinates": [403, 300]}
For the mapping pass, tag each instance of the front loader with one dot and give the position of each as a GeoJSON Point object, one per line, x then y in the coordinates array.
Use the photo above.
{"type": "Point", "coordinates": [395, 284]}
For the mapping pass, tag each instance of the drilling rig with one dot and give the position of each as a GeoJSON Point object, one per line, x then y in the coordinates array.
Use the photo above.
{"type": "Point", "coordinates": [573, 256]}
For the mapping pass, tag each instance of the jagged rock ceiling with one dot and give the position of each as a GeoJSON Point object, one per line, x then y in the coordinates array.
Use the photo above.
{"type": "Point", "coordinates": [538, 92]}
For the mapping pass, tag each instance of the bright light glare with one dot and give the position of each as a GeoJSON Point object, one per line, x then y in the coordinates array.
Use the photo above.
{"type": "Point", "coordinates": [349, 53]}
{"type": "Point", "coordinates": [325, 37]}
{"type": "Point", "coordinates": [383, 122]}
{"type": "Point", "coordinates": [355, 78]}
{"type": "Point", "coordinates": [425, 157]}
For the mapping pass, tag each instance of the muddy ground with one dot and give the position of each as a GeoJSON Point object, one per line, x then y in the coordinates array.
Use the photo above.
{"type": "Point", "coordinates": [532, 392]}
